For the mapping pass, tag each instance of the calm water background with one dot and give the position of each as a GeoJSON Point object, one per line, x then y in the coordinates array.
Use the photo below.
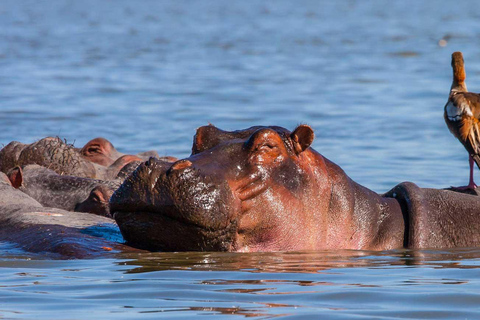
{"type": "Point", "coordinates": [370, 77]}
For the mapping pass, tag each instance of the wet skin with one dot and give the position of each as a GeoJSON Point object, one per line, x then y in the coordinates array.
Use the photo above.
{"type": "Point", "coordinates": [98, 159]}
{"type": "Point", "coordinates": [128, 170]}
{"type": "Point", "coordinates": [54, 232]}
{"type": "Point", "coordinates": [259, 189]}
{"type": "Point", "coordinates": [63, 192]}
{"type": "Point", "coordinates": [51, 153]}
{"type": "Point", "coordinates": [102, 152]}
{"type": "Point", "coordinates": [265, 189]}
{"type": "Point", "coordinates": [9, 155]}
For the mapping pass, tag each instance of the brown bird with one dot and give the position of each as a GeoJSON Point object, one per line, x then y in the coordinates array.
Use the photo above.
{"type": "Point", "coordinates": [462, 113]}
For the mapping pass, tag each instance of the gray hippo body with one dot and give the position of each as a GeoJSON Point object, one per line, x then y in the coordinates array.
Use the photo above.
{"type": "Point", "coordinates": [54, 232]}
{"type": "Point", "coordinates": [64, 192]}
{"type": "Point", "coordinates": [98, 159]}
{"type": "Point", "coordinates": [438, 218]}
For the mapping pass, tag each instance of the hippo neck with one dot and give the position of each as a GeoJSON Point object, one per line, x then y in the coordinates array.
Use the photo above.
{"type": "Point", "coordinates": [371, 222]}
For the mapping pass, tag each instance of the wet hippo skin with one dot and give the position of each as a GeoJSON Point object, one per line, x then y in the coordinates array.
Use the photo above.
{"type": "Point", "coordinates": [98, 159]}
{"type": "Point", "coordinates": [102, 152]}
{"type": "Point", "coordinates": [50, 152]}
{"type": "Point", "coordinates": [439, 218]}
{"type": "Point", "coordinates": [265, 189]}
{"type": "Point", "coordinates": [63, 192]}
{"type": "Point", "coordinates": [56, 233]}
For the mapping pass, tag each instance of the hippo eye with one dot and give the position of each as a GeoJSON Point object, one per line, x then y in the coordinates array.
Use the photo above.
{"type": "Point", "coordinates": [266, 147]}
{"type": "Point", "coordinates": [265, 153]}
{"type": "Point", "coordinates": [93, 149]}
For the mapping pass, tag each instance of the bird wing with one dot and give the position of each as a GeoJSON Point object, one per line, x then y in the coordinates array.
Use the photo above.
{"type": "Point", "coordinates": [467, 111]}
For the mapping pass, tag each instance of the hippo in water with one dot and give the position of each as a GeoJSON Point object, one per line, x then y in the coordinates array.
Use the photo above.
{"type": "Point", "coordinates": [102, 151]}
{"type": "Point", "coordinates": [58, 233]}
{"type": "Point", "coordinates": [98, 159]}
{"type": "Point", "coordinates": [50, 152]}
{"type": "Point", "coordinates": [63, 192]}
{"type": "Point", "coordinates": [265, 189]}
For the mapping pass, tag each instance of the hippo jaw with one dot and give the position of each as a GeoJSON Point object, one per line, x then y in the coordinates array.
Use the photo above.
{"type": "Point", "coordinates": [156, 231]}
{"type": "Point", "coordinates": [173, 207]}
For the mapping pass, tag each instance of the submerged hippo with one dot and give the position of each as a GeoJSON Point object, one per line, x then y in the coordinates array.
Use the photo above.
{"type": "Point", "coordinates": [102, 151]}
{"type": "Point", "coordinates": [50, 152]}
{"type": "Point", "coordinates": [64, 192]}
{"type": "Point", "coordinates": [265, 189]}
{"type": "Point", "coordinates": [98, 159]}
{"type": "Point", "coordinates": [34, 228]}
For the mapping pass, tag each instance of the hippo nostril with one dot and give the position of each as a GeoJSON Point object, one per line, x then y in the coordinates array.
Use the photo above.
{"type": "Point", "coordinates": [180, 165]}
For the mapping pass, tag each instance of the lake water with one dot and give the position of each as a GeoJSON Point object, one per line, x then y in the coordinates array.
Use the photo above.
{"type": "Point", "coordinates": [370, 77]}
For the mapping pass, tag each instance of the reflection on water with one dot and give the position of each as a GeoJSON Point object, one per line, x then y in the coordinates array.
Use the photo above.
{"type": "Point", "coordinates": [340, 284]}
{"type": "Point", "coordinates": [300, 262]}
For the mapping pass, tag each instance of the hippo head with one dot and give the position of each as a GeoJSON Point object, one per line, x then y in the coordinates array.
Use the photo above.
{"type": "Point", "coordinates": [58, 155]}
{"type": "Point", "coordinates": [247, 190]}
{"type": "Point", "coordinates": [9, 155]}
{"type": "Point", "coordinates": [100, 151]}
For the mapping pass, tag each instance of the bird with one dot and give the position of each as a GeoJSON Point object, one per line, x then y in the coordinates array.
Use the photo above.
{"type": "Point", "coordinates": [462, 114]}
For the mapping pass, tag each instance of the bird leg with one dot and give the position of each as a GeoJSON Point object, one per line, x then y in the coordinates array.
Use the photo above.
{"type": "Point", "coordinates": [471, 184]}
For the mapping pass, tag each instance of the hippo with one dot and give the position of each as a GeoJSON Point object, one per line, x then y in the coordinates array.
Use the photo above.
{"type": "Point", "coordinates": [265, 189]}
{"type": "Point", "coordinates": [97, 201]}
{"type": "Point", "coordinates": [128, 170]}
{"type": "Point", "coordinates": [53, 232]}
{"type": "Point", "coordinates": [98, 159]}
{"type": "Point", "coordinates": [9, 155]}
{"type": "Point", "coordinates": [50, 152]}
{"type": "Point", "coordinates": [102, 151]}
{"type": "Point", "coordinates": [116, 170]}
{"type": "Point", "coordinates": [64, 192]}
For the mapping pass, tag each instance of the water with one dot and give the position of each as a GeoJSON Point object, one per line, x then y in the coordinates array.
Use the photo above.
{"type": "Point", "coordinates": [336, 285]}
{"type": "Point", "coordinates": [369, 77]}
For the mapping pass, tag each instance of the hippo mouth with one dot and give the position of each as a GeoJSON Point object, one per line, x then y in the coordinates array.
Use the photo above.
{"type": "Point", "coordinates": [158, 231]}
{"type": "Point", "coordinates": [161, 209]}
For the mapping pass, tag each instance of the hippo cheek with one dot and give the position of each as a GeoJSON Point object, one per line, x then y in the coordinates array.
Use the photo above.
{"type": "Point", "coordinates": [278, 209]}
{"type": "Point", "coordinates": [264, 218]}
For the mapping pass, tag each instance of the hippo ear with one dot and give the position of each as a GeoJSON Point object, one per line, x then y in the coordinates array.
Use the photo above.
{"type": "Point", "coordinates": [96, 201]}
{"type": "Point", "coordinates": [205, 138]}
{"type": "Point", "coordinates": [302, 137]}
{"type": "Point", "coordinates": [15, 176]}
{"type": "Point", "coordinates": [100, 194]}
